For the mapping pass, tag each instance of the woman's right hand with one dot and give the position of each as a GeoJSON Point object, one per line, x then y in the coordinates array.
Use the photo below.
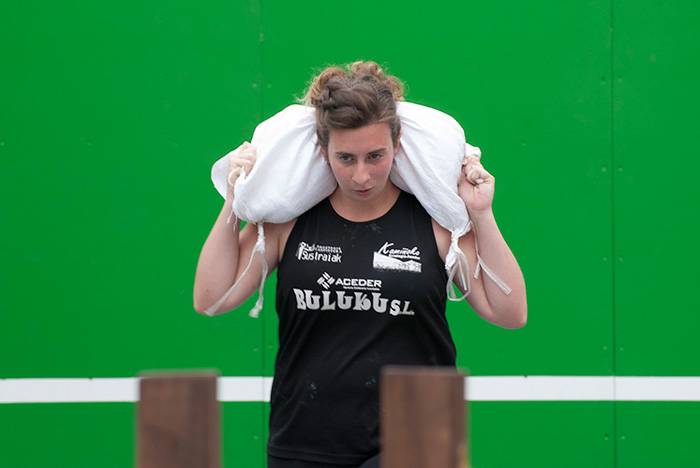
{"type": "Point", "coordinates": [244, 160]}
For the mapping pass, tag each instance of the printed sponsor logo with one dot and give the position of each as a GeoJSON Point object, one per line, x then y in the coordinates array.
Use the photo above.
{"type": "Point", "coordinates": [404, 259]}
{"type": "Point", "coordinates": [357, 301]}
{"type": "Point", "coordinates": [326, 280]}
{"type": "Point", "coordinates": [360, 284]}
{"type": "Point", "coordinates": [358, 294]}
{"type": "Point", "coordinates": [319, 253]}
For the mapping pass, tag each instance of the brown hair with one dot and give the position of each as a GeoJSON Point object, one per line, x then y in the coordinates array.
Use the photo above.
{"type": "Point", "coordinates": [356, 95]}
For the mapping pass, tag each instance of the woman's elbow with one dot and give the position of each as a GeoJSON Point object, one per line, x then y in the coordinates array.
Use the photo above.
{"type": "Point", "coordinates": [204, 308]}
{"type": "Point", "coordinates": [518, 319]}
{"type": "Point", "coordinates": [200, 309]}
{"type": "Point", "coordinates": [510, 318]}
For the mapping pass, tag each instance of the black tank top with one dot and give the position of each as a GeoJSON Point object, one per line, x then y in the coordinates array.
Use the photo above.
{"type": "Point", "coordinates": [351, 298]}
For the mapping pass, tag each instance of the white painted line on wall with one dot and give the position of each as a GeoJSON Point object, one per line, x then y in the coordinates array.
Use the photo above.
{"type": "Point", "coordinates": [478, 388]}
{"type": "Point", "coordinates": [68, 390]}
{"type": "Point", "coordinates": [244, 388]}
{"type": "Point", "coordinates": [657, 388]}
{"type": "Point", "coordinates": [539, 388]}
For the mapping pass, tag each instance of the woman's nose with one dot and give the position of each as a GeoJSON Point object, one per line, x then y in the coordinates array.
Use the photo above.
{"type": "Point", "coordinates": [361, 174]}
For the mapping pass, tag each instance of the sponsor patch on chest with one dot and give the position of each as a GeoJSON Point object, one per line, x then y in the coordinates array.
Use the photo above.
{"type": "Point", "coordinates": [388, 257]}
{"type": "Point", "coordinates": [319, 253]}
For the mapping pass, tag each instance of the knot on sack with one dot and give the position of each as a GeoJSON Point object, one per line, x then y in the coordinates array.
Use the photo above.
{"type": "Point", "coordinates": [457, 265]}
{"type": "Point", "coordinates": [259, 248]}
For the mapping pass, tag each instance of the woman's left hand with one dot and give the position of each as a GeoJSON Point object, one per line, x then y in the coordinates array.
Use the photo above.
{"type": "Point", "coordinates": [476, 186]}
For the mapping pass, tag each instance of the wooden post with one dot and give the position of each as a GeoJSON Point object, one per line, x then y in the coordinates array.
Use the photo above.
{"type": "Point", "coordinates": [422, 418]}
{"type": "Point", "coordinates": [178, 422]}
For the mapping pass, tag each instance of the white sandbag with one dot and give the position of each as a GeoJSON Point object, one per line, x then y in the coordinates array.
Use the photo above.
{"type": "Point", "coordinates": [291, 176]}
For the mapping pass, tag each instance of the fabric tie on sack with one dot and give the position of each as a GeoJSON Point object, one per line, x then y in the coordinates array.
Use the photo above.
{"type": "Point", "coordinates": [291, 176]}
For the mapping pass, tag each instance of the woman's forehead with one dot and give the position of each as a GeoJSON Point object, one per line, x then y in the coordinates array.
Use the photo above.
{"type": "Point", "coordinates": [368, 137]}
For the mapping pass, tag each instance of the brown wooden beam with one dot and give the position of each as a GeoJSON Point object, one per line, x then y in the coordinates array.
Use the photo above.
{"type": "Point", "coordinates": [423, 418]}
{"type": "Point", "coordinates": [178, 422]}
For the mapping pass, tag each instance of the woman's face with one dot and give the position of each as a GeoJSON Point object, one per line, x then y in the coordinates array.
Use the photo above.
{"type": "Point", "coordinates": [361, 160]}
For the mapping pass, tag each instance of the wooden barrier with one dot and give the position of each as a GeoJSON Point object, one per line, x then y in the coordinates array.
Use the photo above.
{"type": "Point", "coordinates": [422, 418]}
{"type": "Point", "coordinates": [178, 422]}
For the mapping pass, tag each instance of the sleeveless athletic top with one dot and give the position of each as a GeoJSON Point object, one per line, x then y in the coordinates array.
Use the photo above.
{"type": "Point", "coordinates": [352, 298]}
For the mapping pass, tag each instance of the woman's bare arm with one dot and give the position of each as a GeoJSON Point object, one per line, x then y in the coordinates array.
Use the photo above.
{"type": "Point", "coordinates": [227, 250]}
{"type": "Point", "coordinates": [476, 189]}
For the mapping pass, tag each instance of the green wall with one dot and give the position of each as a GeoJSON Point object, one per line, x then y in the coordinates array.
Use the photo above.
{"type": "Point", "coordinates": [111, 115]}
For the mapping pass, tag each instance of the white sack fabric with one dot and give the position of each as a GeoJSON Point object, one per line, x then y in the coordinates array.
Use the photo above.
{"type": "Point", "coordinates": [291, 176]}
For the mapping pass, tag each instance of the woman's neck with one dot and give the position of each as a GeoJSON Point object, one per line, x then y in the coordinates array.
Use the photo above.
{"type": "Point", "coordinates": [360, 210]}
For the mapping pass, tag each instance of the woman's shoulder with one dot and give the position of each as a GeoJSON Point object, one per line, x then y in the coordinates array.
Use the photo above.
{"type": "Point", "coordinates": [276, 236]}
{"type": "Point", "coordinates": [279, 229]}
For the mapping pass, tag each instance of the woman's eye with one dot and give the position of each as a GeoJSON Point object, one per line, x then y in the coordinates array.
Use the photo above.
{"type": "Point", "coordinates": [376, 156]}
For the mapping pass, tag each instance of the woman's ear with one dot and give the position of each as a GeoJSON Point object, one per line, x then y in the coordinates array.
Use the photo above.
{"type": "Point", "coordinates": [398, 144]}
{"type": "Point", "coordinates": [324, 152]}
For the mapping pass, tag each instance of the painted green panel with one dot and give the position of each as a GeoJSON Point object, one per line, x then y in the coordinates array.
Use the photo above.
{"type": "Point", "coordinates": [536, 99]}
{"type": "Point", "coordinates": [657, 136]}
{"type": "Point", "coordinates": [244, 434]}
{"type": "Point", "coordinates": [112, 115]}
{"type": "Point", "coordinates": [542, 434]}
{"type": "Point", "coordinates": [657, 434]}
{"type": "Point", "coordinates": [530, 83]}
{"type": "Point", "coordinates": [67, 435]}
{"type": "Point", "coordinates": [103, 435]}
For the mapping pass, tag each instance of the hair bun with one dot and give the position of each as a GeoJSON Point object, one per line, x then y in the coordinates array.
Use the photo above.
{"type": "Point", "coordinates": [357, 94]}
{"type": "Point", "coordinates": [334, 78]}
{"type": "Point", "coordinates": [318, 94]}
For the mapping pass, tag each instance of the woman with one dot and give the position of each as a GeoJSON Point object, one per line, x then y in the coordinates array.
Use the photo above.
{"type": "Point", "coordinates": [361, 277]}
